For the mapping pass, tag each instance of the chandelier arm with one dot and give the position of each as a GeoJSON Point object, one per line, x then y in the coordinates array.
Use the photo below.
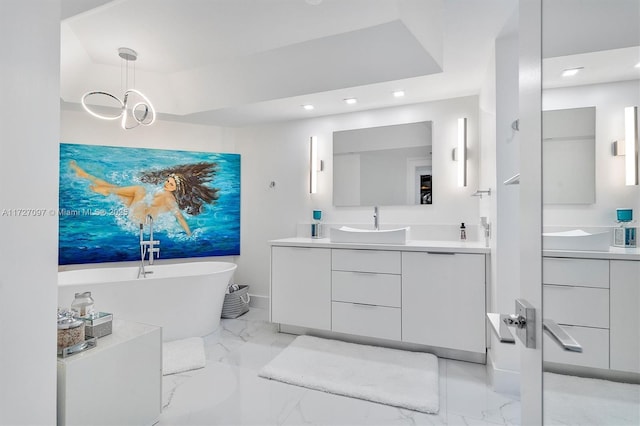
{"type": "Point", "coordinates": [97, 115]}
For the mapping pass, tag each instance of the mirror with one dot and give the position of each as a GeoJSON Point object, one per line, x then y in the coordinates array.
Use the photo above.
{"type": "Point", "coordinates": [402, 151]}
{"type": "Point", "coordinates": [569, 156]}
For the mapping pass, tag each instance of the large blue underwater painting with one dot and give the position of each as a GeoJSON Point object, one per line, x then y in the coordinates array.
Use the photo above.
{"type": "Point", "coordinates": [106, 192]}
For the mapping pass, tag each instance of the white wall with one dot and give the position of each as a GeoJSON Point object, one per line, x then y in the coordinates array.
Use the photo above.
{"type": "Point", "coordinates": [280, 153]}
{"type": "Point", "coordinates": [29, 123]}
{"type": "Point", "coordinates": [611, 192]}
{"type": "Point", "coordinates": [79, 127]}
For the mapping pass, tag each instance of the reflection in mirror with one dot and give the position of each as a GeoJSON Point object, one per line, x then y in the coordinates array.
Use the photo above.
{"type": "Point", "coordinates": [387, 165]}
{"type": "Point", "coordinates": [594, 297]}
{"type": "Point", "coordinates": [569, 156]}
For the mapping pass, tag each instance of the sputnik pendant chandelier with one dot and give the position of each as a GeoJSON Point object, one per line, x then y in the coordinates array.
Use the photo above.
{"type": "Point", "coordinates": [135, 108]}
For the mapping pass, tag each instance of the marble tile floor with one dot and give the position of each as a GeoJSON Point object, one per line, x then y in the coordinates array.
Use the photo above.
{"type": "Point", "coordinates": [228, 390]}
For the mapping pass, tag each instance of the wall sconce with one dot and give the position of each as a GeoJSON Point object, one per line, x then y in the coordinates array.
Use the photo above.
{"type": "Point", "coordinates": [315, 165]}
{"type": "Point", "coordinates": [631, 145]}
{"type": "Point", "coordinates": [461, 152]}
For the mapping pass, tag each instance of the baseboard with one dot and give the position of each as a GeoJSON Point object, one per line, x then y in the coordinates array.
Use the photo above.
{"type": "Point", "coordinates": [260, 302]}
{"type": "Point", "coordinates": [503, 381]}
{"type": "Point", "coordinates": [478, 358]}
{"type": "Point", "coordinates": [592, 373]}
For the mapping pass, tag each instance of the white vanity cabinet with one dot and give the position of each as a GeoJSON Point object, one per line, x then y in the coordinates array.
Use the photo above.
{"type": "Point", "coordinates": [385, 294]}
{"type": "Point", "coordinates": [366, 293]}
{"type": "Point", "coordinates": [301, 286]}
{"type": "Point", "coordinates": [595, 298]}
{"type": "Point", "coordinates": [576, 297]}
{"type": "Point", "coordinates": [443, 300]}
{"type": "Point", "coordinates": [625, 316]}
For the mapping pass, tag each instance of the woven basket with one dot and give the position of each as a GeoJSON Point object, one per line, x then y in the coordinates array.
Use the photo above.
{"type": "Point", "coordinates": [236, 303]}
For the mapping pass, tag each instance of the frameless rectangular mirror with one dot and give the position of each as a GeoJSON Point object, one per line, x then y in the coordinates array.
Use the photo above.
{"type": "Point", "coordinates": [569, 156]}
{"type": "Point", "coordinates": [387, 165]}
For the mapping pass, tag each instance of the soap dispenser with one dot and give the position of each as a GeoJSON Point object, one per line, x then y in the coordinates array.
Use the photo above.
{"type": "Point", "coordinates": [463, 232]}
{"type": "Point", "coordinates": [316, 228]}
{"type": "Point", "coordinates": [625, 234]}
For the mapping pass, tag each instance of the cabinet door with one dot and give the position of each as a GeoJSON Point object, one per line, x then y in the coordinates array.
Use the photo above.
{"type": "Point", "coordinates": [443, 300]}
{"type": "Point", "coordinates": [625, 316]}
{"type": "Point", "coordinates": [301, 286]}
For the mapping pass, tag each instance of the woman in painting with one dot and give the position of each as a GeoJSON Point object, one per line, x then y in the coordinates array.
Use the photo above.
{"type": "Point", "coordinates": [184, 189]}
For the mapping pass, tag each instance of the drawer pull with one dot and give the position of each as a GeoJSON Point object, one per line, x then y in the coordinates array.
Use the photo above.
{"type": "Point", "coordinates": [561, 337]}
{"type": "Point", "coordinates": [364, 305]}
{"type": "Point", "coordinates": [447, 253]}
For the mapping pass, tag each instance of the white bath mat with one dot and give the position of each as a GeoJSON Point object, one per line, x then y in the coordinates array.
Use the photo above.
{"type": "Point", "coordinates": [183, 355]}
{"type": "Point", "coordinates": [389, 376]}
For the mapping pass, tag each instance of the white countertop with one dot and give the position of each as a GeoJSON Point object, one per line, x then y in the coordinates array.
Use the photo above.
{"type": "Point", "coordinates": [122, 331]}
{"type": "Point", "coordinates": [614, 253]}
{"type": "Point", "coordinates": [412, 245]}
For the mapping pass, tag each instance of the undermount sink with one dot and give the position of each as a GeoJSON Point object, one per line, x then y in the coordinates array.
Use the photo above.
{"type": "Point", "coordinates": [576, 240]}
{"type": "Point", "coordinates": [346, 234]}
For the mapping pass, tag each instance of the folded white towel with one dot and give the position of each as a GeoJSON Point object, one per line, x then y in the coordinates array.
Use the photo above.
{"type": "Point", "coordinates": [183, 355]}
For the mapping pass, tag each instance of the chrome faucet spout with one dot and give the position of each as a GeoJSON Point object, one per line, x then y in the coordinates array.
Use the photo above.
{"type": "Point", "coordinates": [376, 218]}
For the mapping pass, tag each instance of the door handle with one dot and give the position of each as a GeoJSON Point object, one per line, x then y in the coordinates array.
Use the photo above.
{"type": "Point", "coordinates": [523, 321]}
{"type": "Point", "coordinates": [500, 328]}
{"type": "Point", "coordinates": [560, 336]}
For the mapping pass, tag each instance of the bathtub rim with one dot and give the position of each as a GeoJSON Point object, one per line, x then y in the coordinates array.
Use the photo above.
{"type": "Point", "coordinates": [103, 273]}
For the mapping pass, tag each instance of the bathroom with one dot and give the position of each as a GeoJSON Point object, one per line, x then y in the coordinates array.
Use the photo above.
{"type": "Point", "coordinates": [275, 153]}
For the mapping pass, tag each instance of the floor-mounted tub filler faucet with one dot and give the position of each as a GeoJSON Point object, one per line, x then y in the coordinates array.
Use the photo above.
{"type": "Point", "coordinates": [376, 218]}
{"type": "Point", "coordinates": [147, 248]}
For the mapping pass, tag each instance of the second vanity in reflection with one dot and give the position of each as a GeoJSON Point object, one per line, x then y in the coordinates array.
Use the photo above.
{"type": "Point", "coordinates": [420, 294]}
{"type": "Point", "coordinates": [595, 297]}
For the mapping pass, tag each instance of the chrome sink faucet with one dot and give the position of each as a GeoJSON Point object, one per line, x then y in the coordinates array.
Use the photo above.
{"type": "Point", "coordinates": [376, 218]}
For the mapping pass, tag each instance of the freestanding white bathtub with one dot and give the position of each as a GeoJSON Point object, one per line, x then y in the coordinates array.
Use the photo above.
{"type": "Point", "coordinates": [185, 299]}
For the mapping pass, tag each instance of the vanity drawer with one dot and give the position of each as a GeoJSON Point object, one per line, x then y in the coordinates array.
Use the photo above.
{"type": "Point", "coordinates": [367, 288]}
{"type": "Point", "coordinates": [575, 272]}
{"type": "Point", "coordinates": [366, 320]}
{"type": "Point", "coordinates": [595, 347]}
{"type": "Point", "coordinates": [577, 305]}
{"type": "Point", "coordinates": [386, 262]}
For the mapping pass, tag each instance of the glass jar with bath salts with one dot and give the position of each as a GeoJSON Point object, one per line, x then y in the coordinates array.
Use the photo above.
{"type": "Point", "coordinates": [82, 305]}
{"type": "Point", "coordinates": [70, 330]}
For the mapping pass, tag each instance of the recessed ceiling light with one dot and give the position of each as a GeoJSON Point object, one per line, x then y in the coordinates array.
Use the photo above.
{"type": "Point", "coordinates": [571, 71]}
{"type": "Point", "coordinates": [638, 65]}
{"type": "Point", "coordinates": [308, 107]}
{"type": "Point", "coordinates": [398, 93]}
{"type": "Point", "coordinates": [351, 101]}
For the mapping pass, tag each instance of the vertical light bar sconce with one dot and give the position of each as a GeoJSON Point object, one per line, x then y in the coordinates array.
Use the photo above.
{"type": "Point", "coordinates": [313, 165]}
{"type": "Point", "coordinates": [631, 145]}
{"type": "Point", "coordinates": [461, 152]}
